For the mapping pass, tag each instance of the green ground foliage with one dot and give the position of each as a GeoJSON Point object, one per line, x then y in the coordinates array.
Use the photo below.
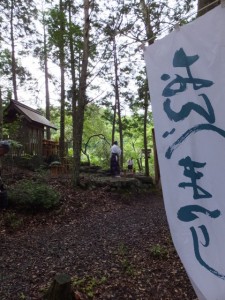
{"type": "Point", "coordinates": [33, 196]}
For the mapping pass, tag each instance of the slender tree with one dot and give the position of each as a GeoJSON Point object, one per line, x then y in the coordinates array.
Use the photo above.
{"type": "Point", "coordinates": [5, 71]}
{"type": "Point", "coordinates": [146, 11]}
{"type": "Point", "coordinates": [57, 23]}
{"type": "Point", "coordinates": [47, 98]}
{"type": "Point", "coordinates": [13, 50]}
{"type": "Point", "coordinates": [42, 53]}
{"type": "Point", "coordinates": [154, 16]}
{"type": "Point", "coordinates": [74, 37]}
{"type": "Point", "coordinates": [62, 78]}
{"type": "Point", "coordinates": [1, 115]}
{"type": "Point", "coordinates": [117, 100]}
{"type": "Point", "coordinates": [82, 97]}
{"type": "Point", "coordinates": [116, 27]}
{"type": "Point", "coordinates": [17, 18]}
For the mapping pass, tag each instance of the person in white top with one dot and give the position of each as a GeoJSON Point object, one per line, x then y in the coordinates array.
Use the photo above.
{"type": "Point", "coordinates": [114, 161]}
{"type": "Point", "coordinates": [130, 164]}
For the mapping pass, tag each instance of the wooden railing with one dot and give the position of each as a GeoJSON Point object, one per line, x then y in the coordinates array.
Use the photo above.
{"type": "Point", "coordinates": [50, 148]}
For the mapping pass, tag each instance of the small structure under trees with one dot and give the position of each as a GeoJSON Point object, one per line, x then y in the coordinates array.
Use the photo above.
{"type": "Point", "coordinates": [27, 126]}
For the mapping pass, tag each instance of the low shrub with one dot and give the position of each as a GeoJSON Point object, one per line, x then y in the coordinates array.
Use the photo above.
{"type": "Point", "coordinates": [159, 251]}
{"type": "Point", "coordinates": [33, 196]}
{"type": "Point", "coordinates": [88, 284]}
{"type": "Point", "coordinates": [11, 221]}
{"type": "Point", "coordinates": [27, 162]}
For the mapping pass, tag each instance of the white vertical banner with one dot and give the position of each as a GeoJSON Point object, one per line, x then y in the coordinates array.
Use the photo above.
{"type": "Point", "coordinates": [186, 74]}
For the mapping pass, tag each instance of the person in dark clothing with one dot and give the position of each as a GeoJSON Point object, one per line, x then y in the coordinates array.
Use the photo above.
{"type": "Point", "coordinates": [114, 161]}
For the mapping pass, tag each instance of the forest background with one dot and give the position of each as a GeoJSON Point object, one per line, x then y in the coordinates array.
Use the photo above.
{"type": "Point", "coordinates": [81, 64]}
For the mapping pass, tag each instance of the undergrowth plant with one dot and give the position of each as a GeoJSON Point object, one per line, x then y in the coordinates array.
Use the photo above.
{"type": "Point", "coordinates": [88, 284]}
{"type": "Point", "coordinates": [33, 196]}
{"type": "Point", "coordinates": [125, 262]}
{"type": "Point", "coordinates": [159, 251]}
{"type": "Point", "coordinates": [12, 221]}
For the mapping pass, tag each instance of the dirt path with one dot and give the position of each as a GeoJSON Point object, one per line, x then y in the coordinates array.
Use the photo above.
{"type": "Point", "coordinates": [113, 247]}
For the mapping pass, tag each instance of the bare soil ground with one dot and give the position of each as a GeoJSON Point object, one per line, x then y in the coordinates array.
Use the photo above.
{"type": "Point", "coordinates": [113, 245]}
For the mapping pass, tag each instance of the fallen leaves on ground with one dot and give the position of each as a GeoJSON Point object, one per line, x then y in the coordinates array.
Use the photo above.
{"type": "Point", "coordinates": [113, 245]}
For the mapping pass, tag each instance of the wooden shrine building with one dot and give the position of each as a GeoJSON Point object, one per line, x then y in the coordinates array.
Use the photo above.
{"type": "Point", "coordinates": [28, 128]}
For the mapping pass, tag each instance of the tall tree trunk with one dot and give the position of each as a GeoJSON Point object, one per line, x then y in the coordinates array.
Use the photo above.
{"type": "Point", "coordinates": [73, 73]}
{"type": "Point", "coordinates": [62, 79]}
{"type": "Point", "coordinates": [47, 100]}
{"type": "Point", "coordinates": [13, 52]}
{"type": "Point", "coordinates": [149, 33]}
{"type": "Point", "coordinates": [1, 125]}
{"type": "Point", "coordinates": [82, 101]}
{"type": "Point", "coordinates": [117, 98]}
{"type": "Point", "coordinates": [146, 100]}
{"type": "Point", "coordinates": [146, 15]}
{"type": "Point", "coordinates": [114, 121]}
{"type": "Point", "coordinates": [1, 116]}
{"type": "Point", "coordinates": [204, 6]}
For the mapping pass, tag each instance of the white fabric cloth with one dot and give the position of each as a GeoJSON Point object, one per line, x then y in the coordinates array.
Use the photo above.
{"type": "Point", "coordinates": [186, 74]}
{"type": "Point", "coordinates": [130, 162]}
{"type": "Point", "coordinates": [116, 150]}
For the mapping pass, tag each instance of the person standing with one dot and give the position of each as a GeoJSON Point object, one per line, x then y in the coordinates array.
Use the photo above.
{"type": "Point", "coordinates": [130, 165]}
{"type": "Point", "coordinates": [114, 161]}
